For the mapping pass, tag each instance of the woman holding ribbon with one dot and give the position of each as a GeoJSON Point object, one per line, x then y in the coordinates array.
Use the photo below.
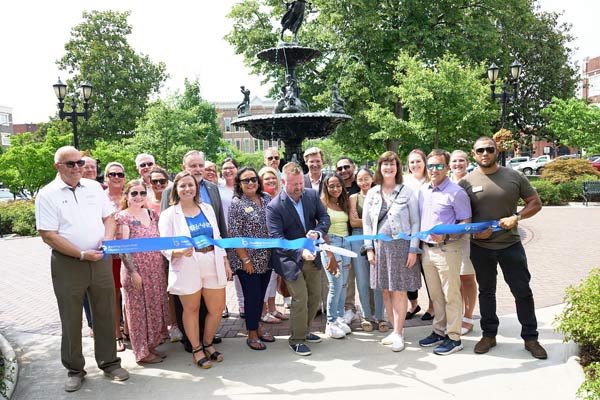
{"type": "Point", "coordinates": [372, 313]}
{"type": "Point", "coordinates": [392, 208]}
{"type": "Point", "coordinates": [143, 277]}
{"type": "Point", "coordinates": [195, 272]}
{"type": "Point", "coordinates": [459, 161]}
{"type": "Point", "coordinates": [271, 185]}
{"type": "Point", "coordinates": [247, 218]}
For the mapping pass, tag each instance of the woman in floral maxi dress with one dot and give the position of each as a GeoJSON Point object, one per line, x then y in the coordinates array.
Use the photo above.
{"type": "Point", "coordinates": [143, 277]}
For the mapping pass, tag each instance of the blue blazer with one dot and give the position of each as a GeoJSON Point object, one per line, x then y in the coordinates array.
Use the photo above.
{"type": "Point", "coordinates": [284, 222]}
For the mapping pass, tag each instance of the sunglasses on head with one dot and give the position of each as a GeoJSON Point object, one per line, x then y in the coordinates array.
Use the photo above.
{"type": "Point", "coordinates": [146, 164]}
{"type": "Point", "coordinates": [246, 181]}
{"type": "Point", "coordinates": [343, 167]}
{"type": "Point", "coordinates": [143, 193]}
{"type": "Point", "coordinates": [158, 181]}
{"type": "Point", "coordinates": [489, 150]}
{"type": "Point", "coordinates": [439, 167]}
{"type": "Point", "coordinates": [116, 174]}
{"type": "Point", "coordinates": [72, 164]}
{"type": "Point", "coordinates": [271, 158]}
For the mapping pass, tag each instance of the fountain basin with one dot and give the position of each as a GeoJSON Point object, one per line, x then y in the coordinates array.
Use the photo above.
{"type": "Point", "coordinates": [289, 56]}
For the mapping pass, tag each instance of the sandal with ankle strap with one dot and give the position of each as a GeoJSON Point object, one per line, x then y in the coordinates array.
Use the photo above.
{"type": "Point", "coordinates": [204, 362]}
{"type": "Point", "coordinates": [215, 355]}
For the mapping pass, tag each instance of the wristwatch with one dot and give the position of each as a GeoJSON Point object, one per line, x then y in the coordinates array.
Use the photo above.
{"type": "Point", "coordinates": [519, 216]}
{"type": "Point", "coordinates": [246, 260]}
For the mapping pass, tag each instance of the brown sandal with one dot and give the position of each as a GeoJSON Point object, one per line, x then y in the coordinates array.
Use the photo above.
{"type": "Point", "coordinates": [383, 326]}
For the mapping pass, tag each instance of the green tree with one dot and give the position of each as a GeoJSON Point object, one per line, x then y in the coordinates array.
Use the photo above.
{"type": "Point", "coordinates": [123, 80]}
{"type": "Point", "coordinates": [574, 122]}
{"type": "Point", "coordinates": [447, 102]}
{"type": "Point", "coordinates": [28, 163]}
{"type": "Point", "coordinates": [123, 152]}
{"type": "Point", "coordinates": [359, 42]}
{"type": "Point", "coordinates": [172, 127]}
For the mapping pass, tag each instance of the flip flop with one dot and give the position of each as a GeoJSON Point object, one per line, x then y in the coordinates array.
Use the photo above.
{"type": "Point", "coordinates": [279, 315]}
{"type": "Point", "coordinates": [251, 342]}
{"type": "Point", "coordinates": [267, 337]}
{"type": "Point", "coordinates": [120, 344]}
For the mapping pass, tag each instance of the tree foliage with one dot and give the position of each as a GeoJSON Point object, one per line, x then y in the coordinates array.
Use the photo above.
{"type": "Point", "coordinates": [447, 103]}
{"type": "Point", "coordinates": [172, 127]}
{"type": "Point", "coordinates": [574, 122]}
{"type": "Point", "coordinates": [360, 41]}
{"type": "Point", "coordinates": [123, 80]}
{"type": "Point", "coordinates": [27, 165]}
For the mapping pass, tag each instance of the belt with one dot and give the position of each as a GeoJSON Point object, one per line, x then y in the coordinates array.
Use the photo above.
{"type": "Point", "coordinates": [206, 249]}
{"type": "Point", "coordinates": [440, 244]}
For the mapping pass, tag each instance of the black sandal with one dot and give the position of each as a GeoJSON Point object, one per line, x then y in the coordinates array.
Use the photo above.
{"type": "Point", "coordinates": [215, 355]}
{"type": "Point", "coordinates": [204, 362]}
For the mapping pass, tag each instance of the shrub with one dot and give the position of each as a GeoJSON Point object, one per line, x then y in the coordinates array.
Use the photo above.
{"type": "Point", "coordinates": [579, 322]}
{"type": "Point", "coordinates": [18, 217]}
{"type": "Point", "coordinates": [548, 192]}
{"type": "Point", "coordinates": [570, 191]}
{"type": "Point", "coordinates": [560, 171]}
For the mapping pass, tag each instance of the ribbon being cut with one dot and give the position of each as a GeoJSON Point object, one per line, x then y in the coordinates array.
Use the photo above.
{"type": "Point", "coordinates": [182, 242]}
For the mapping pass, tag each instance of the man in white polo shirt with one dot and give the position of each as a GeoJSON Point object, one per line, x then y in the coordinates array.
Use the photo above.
{"type": "Point", "coordinates": [73, 216]}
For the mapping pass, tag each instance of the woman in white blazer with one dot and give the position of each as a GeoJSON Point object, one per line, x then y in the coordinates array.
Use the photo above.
{"type": "Point", "coordinates": [195, 272]}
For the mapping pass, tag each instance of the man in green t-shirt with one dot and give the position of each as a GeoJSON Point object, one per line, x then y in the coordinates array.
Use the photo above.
{"type": "Point", "coordinates": [494, 192]}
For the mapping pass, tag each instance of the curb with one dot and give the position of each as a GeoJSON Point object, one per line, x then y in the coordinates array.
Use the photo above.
{"type": "Point", "coordinates": [11, 372]}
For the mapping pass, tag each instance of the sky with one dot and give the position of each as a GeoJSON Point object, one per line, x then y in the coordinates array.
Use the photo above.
{"type": "Point", "coordinates": [187, 36]}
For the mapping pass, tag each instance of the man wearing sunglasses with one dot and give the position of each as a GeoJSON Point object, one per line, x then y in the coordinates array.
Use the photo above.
{"type": "Point", "coordinates": [494, 192]}
{"type": "Point", "coordinates": [74, 216]}
{"type": "Point", "coordinates": [271, 158]}
{"type": "Point", "coordinates": [194, 162]}
{"type": "Point", "coordinates": [443, 202]}
{"type": "Point", "coordinates": [144, 163]}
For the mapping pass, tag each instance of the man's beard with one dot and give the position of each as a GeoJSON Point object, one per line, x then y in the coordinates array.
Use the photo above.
{"type": "Point", "coordinates": [487, 165]}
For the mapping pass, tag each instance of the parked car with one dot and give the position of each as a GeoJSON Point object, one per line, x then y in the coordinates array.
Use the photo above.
{"type": "Point", "coordinates": [533, 166]}
{"type": "Point", "coordinates": [6, 195]}
{"type": "Point", "coordinates": [596, 163]}
{"type": "Point", "coordinates": [568, 156]}
{"type": "Point", "coordinates": [517, 160]}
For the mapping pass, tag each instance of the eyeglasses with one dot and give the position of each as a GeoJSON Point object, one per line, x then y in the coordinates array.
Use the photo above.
{"type": "Point", "coordinates": [343, 167]}
{"type": "Point", "coordinates": [271, 158]}
{"type": "Point", "coordinates": [143, 193]}
{"type": "Point", "coordinates": [246, 181]}
{"type": "Point", "coordinates": [439, 167]}
{"type": "Point", "coordinates": [489, 150]}
{"type": "Point", "coordinates": [146, 164]}
{"type": "Point", "coordinates": [72, 164]}
{"type": "Point", "coordinates": [116, 174]}
{"type": "Point", "coordinates": [158, 181]}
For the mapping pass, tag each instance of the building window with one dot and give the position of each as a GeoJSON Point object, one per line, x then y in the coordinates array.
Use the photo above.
{"type": "Point", "coordinates": [258, 145]}
{"type": "Point", "coordinates": [4, 119]}
{"type": "Point", "coordinates": [238, 144]}
{"type": "Point", "coordinates": [246, 145]}
{"type": "Point", "coordinates": [228, 124]}
{"type": "Point", "coordinates": [593, 86]}
{"type": "Point", "coordinates": [5, 139]}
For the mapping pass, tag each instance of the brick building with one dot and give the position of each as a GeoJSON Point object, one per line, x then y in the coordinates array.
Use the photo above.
{"type": "Point", "coordinates": [238, 136]}
{"type": "Point", "coordinates": [6, 125]}
{"type": "Point", "coordinates": [590, 76]}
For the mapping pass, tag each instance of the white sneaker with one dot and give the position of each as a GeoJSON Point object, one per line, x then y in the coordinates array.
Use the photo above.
{"type": "Point", "coordinates": [398, 343]}
{"type": "Point", "coordinates": [343, 326]}
{"type": "Point", "coordinates": [389, 339]}
{"type": "Point", "coordinates": [334, 331]}
{"type": "Point", "coordinates": [349, 316]}
{"type": "Point", "coordinates": [175, 334]}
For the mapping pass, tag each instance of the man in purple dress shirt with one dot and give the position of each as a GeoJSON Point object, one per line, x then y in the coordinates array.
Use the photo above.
{"type": "Point", "coordinates": [443, 202]}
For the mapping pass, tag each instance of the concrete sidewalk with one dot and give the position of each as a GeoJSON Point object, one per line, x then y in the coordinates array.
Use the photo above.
{"type": "Point", "coordinates": [355, 367]}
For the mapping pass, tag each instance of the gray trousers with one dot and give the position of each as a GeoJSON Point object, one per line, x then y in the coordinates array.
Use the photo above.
{"type": "Point", "coordinates": [71, 279]}
{"type": "Point", "coordinates": [306, 296]}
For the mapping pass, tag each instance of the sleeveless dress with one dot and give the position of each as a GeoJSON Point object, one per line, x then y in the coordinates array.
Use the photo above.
{"type": "Point", "coordinates": [147, 308]}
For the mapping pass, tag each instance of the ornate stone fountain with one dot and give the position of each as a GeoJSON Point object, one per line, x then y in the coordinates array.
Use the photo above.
{"type": "Point", "coordinates": [292, 121]}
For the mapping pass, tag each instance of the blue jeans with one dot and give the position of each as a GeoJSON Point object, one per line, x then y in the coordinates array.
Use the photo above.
{"type": "Point", "coordinates": [336, 297]}
{"type": "Point", "coordinates": [362, 270]}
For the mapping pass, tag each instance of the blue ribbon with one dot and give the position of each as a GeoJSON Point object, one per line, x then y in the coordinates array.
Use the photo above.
{"type": "Point", "coordinates": [182, 242]}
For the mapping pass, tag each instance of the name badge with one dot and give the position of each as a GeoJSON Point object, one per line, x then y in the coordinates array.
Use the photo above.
{"type": "Point", "coordinates": [477, 189]}
{"type": "Point", "coordinates": [136, 223]}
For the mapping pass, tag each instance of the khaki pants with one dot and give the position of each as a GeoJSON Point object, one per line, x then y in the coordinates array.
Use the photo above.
{"type": "Point", "coordinates": [441, 265]}
{"type": "Point", "coordinates": [306, 296]}
{"type": "Point", "coordinates": [71, 279]}
{"type": "Point", "coordinates": [350, 302]}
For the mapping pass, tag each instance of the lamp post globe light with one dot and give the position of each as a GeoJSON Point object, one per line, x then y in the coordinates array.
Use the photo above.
{"type": "Point", "coordinates": [505, 96]}
{"type": "Point", "coordinates": [60, 90]}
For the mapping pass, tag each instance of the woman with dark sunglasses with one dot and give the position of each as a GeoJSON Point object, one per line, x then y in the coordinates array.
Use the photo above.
{"type": "Point", "coordinates": [144, 279]}
{"type": "Point", "coordinates": [159, 179]}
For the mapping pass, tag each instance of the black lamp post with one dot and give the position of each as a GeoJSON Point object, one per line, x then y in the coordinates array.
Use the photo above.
{"type": "Point", "coordinates": [505, 96]}
{"type": "Point", "coordinates": [60, 89]}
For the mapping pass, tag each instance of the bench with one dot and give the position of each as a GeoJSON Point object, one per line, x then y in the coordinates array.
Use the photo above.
{"type": "Point", "coordinates": [590, 190]}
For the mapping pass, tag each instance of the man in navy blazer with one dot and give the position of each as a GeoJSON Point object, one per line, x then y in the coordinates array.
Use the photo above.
{"type": "Point", "coordinates": [296, 213]}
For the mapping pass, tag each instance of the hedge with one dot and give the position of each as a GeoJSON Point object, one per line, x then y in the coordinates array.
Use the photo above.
{"type": "Point", "coordinates": [18, 217]}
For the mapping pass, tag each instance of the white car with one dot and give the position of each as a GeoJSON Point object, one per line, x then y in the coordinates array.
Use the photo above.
{"type": "Point", "coordinates": [516, 161]}
{"type": "Point", "coordinates": [533, 166]}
